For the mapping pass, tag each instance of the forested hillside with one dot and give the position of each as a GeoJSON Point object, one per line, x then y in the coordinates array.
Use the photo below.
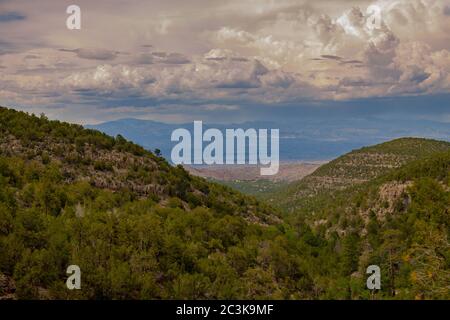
{"type": "Point", "coordinates": [142, 229]}
{"type": "Point", "coordinates": [351, 169]}
{"type": "Point", "coordinates": [137, 227]}
{"type": "Point", "coordinates": [399, 221]}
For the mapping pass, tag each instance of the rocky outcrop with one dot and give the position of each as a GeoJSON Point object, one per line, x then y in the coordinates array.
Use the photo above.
{"type": "Point", "coordinates": [7, 288]}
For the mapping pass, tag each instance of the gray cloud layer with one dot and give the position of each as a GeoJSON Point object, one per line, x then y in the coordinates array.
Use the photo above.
{"type": "Point", "coordinates": [218, 55]}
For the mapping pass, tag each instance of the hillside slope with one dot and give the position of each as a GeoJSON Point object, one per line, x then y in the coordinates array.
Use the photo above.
{"type": "Point", "coordinates": [114, 164]}
{"type": "Point", "coordinates": [136, 226]}
{"type": "Point", "coordinates": [399, 221]}
{"type": "Point", "coordinates": [354, 168]}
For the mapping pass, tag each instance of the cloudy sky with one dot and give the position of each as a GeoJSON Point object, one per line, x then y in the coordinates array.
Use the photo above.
{"type": "Point", "coordinates": [180, 60]}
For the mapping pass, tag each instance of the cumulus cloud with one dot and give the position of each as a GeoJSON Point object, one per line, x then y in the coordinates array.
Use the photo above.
{"type": "Point", "coordinates": [228, 54]}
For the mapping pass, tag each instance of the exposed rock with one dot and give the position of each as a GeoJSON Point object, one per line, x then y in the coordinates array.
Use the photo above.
{"type": "Point", "coordinates": [7, 288]}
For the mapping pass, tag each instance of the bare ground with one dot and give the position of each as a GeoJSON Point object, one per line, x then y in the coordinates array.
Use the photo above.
{"type": "Point", "coordinates": [289, 171]}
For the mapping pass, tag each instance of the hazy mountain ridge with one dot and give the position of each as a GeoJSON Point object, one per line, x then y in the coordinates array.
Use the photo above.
{"type": "Point", "coordinates": [307, 138]}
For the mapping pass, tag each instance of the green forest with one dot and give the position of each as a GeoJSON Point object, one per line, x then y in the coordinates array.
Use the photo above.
{"type": "Point", "coordinates": [139, 228]}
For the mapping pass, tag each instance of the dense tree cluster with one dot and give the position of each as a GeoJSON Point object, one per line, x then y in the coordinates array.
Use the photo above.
{"type": "Point", "coordinates": [135, 248]}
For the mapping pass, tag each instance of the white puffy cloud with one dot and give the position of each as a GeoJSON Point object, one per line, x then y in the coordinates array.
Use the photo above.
{"type": "Point", "coordinates": [219, 74]}
{"type": "Point", "coordinates": [223, 54]}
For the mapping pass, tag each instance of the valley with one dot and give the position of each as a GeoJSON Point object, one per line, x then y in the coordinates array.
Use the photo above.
{"type": "Point", "coordinates": [141, 228]}
{"type": "Point", "coordinates": [247, 178]}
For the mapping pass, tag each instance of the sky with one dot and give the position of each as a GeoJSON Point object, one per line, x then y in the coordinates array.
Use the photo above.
{"type": "Point", "coordinates": [234, 60]}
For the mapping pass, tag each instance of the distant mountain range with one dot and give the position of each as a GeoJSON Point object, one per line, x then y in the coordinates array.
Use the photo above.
{"type": "Point", "coordinates": [309, 138]}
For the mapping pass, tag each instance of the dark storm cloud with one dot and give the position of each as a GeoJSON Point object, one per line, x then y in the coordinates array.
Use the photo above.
{"type": "Point", "coordinates": [447, 10]}
{"type": "Point", "coordinates": [331, 57]}
{"type": "Point", "coordinates": [11, 16]}
{"type": "Point", "coordinates": [93, 53]}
